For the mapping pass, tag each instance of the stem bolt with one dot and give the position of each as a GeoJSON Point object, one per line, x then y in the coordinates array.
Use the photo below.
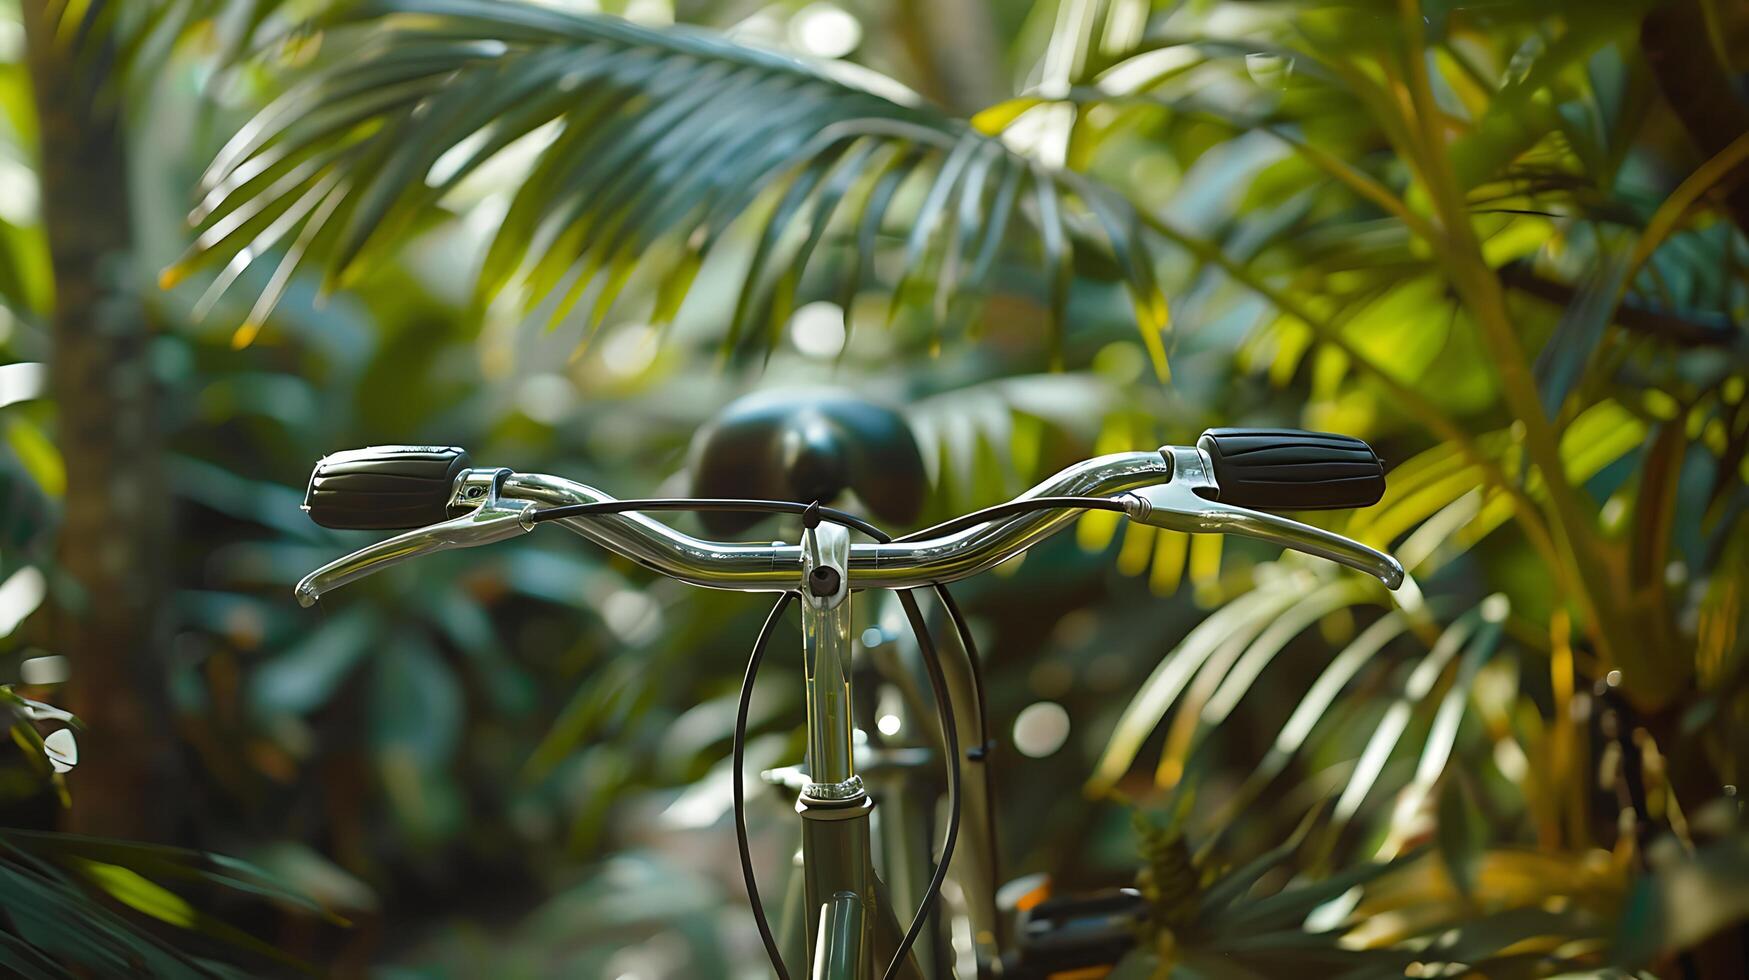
{"type": "Point", "coordinates": [823, 581]}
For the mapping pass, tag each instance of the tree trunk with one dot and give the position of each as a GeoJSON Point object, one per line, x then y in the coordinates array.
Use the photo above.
{"type": "Point", "coordinates": [114, 531]}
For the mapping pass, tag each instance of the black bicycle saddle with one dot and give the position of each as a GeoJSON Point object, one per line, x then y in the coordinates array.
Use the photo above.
{"type": "Point", "coordinates": [805, 445]}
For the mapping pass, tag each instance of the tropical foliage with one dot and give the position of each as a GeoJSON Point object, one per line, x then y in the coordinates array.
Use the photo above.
{"type": "Point", "coordinates": [1503, 242]}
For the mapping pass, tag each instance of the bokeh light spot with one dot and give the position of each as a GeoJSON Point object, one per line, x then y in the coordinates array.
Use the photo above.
{"type": "Point", "coordinates": [631, 350]}
{"type": "Point", "coordinates": [21, 593]}
{"type": "Point", "coordinates": [825, 30]}
{"type": "Point", "coordinates": [544, 398]}
{"type": "Point", "coordinates": [1041, 728]}
{"type": "Point", "coordinates": [818, 329]}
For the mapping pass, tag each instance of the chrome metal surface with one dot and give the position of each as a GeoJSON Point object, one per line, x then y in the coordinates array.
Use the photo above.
{"type": "Point", "coordinates": [473, 486]}
{"type": "Point", "coordinates": [900, 565]}
{"type": "Point", "coordinates": [1177, 505]}
{"type": "Point", "coordinates": [1156, 488]}
{"type": "Point", "coordinates": [493, 519]}
{"type": "Point", "coordinates": [1157, 498]}
{"type": "Point", "coordinates": [826, 659]}
{"type": "Point", "coordinates": [843, 791]}
{"type": "Point", "coordinates": [744, 567]}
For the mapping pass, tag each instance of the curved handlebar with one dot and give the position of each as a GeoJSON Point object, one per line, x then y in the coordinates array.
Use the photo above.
{"type": "Point", "coordinates": [498, 503]}
{"type": "Point", "coordinates": [898, 565]}
{"type": "Point", "coordinates": [503, 502]}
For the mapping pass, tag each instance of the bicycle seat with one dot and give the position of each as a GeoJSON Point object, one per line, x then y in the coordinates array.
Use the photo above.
{"type": "Point", "coordinates": [805, 445]}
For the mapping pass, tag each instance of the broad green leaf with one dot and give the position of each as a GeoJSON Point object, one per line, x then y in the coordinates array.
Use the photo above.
{"type": "Point", "coordinates": [145, 896]}
{"type": "Point", "coordinates": [305, 676]}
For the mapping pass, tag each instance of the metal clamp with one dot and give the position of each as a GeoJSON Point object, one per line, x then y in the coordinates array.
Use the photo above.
{"type": "Point", "coordinates": [826, 647]}
{"type": "Point", "coordinates": [489, 522]}
{"type": "Point", "coordinates": [1178, 506]}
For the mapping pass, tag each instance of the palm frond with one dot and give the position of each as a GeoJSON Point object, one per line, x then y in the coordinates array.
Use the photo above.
{"type": "Point", "coordinates": [1258, 918]}
{"type": "Point", "coordinates": [1539, 132]}
{"type": "Point", "coordinates": [1230, 628]}
{"type": "Point", "coordinates": [55, 926]}
{"type": "Point", "coordinates": [116, 40]}
{"type": "Point", "coordinates": [52, 923]}
{"type": "Point", "coordinates": [646, 145]}
{"type": "Point", "coordinates": [985, 442]}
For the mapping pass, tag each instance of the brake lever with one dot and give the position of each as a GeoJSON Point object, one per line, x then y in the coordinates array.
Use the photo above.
{"type": "Point", "coordinates": [1176, 505]}
{"type": "Point", "coordinates": [491, 521]}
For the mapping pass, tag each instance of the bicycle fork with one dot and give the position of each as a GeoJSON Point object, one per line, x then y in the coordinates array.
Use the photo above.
{"type": "Point", "coordinates": [851, 929]}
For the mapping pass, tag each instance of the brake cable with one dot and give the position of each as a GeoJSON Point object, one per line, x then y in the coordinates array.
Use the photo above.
{"type": "Point", "coordinates": [1025, 505]}
{"type": "Point", "coordinates": [985, 744]}
{"type": "Point", "coordinates": [740, 791]}
{"type": "Point", "coordinates": [813, 514]}
{"type": "Point", "coordinates": [816, 511]}
{"type": "Point", "coordinates": [708, 504]}
{"type": "Point", "coordinates": [950, 734]}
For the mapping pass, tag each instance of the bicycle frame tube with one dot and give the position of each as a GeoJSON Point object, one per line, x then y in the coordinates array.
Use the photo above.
{"type": "Point", "coordinates": [842, 935]}
{"type": "Point", "coordinates": [849, 921]}
{"type": "Point", "coordinates": [900, 790]}
{"type": "Point", "coordinates": [848, 916]}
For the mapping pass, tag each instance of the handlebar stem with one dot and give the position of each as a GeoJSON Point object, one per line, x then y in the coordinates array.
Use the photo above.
{"type": "Point", "coordinates": [898, 565]}
{"type": "Point", "coordinates": [826, 647]}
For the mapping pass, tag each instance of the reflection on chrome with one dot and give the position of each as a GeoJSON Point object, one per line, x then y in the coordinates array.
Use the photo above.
{"type": "Point", "coordinates": [1157, 488]}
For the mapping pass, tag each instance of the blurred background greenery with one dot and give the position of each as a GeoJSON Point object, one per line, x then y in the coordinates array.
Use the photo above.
{"type": "Point", "coordinates": [1503, 241]}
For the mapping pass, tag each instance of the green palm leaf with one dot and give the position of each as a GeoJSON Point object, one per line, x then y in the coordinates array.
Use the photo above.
{"type": "Point", "coordinates": [116, 39]}
{"type": "Point", "coordinates": [647, 148]}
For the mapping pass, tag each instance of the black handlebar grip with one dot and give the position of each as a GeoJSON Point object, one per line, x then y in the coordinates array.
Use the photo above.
{"type": "Point", "coordinates": [1287, 469]}
{"type": "Point", "coordinates": [384, 487]}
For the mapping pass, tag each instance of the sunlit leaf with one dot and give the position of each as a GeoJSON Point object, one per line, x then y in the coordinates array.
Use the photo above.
{"type": "Point", "coordinates": [643, 158]}
{"type": "Point", "coordinates": [1175, 671]}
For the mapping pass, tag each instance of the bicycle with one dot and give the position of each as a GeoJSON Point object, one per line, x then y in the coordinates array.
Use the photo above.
{"type": "Point", "coordinates": [1230, 482]}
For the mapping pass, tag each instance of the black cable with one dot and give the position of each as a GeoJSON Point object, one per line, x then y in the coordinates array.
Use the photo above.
{"type": "Point", "coordinates": [740, 752]}
{"type": "Point", "coordinates": [1023, 506]}
{"type": "Point", "coordinates": [709, 503]}
{"type": "Point", "coordinates": [950, 735]}
{"type": "Point", "coordinates": [975, 663]}
{"type": "Point", "coordinates": [938, 683]}
{"type": "Point", "coordinates": [834, 515]}
{"type": "Point", "coordinates": [971, 647]}
{"type": "Point", "coordinates": [985, 744]}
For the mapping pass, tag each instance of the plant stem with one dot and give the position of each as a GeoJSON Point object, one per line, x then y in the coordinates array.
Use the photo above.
{"type": "Point", "coordinates": [1574, 533]}
{"type": "Point", "coordinates": [1412, 401]}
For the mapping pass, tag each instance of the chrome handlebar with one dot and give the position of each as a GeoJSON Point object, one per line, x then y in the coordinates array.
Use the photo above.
{"type": "Point", "coordinates": [1158, 488]}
